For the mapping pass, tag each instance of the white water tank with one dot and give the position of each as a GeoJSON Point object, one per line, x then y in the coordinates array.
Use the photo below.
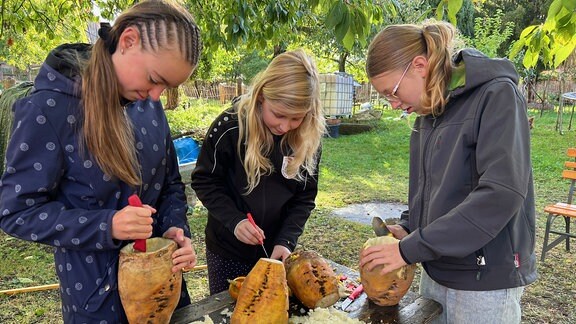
{"type": "Point", "coordinates": [336, 93]}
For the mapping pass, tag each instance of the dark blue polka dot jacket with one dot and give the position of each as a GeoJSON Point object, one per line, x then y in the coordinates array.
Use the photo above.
{"type": "Point", "coordinates": [52, 193]}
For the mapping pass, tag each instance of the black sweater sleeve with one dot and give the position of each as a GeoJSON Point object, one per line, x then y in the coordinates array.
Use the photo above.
{"type": "Point", "coordinates": [216, 157]}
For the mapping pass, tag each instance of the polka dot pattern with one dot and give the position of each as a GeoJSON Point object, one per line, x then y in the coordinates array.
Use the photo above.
{"type": "Point", "coordinates": [54, 193]}
{"type": "Point", "coordinates": [220, 270]}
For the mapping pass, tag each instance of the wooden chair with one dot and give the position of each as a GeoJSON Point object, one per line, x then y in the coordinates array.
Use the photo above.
{"type": "Point", "coordinates": [565, 210]}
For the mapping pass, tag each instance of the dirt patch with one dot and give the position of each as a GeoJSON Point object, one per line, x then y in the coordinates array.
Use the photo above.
{"type": "Point", "coordinates": [363, 213]}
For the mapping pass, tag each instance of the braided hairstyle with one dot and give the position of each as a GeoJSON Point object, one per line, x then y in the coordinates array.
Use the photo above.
{"type": "Point", "coordinates": [106, 133]}
{"type": "Point", "coordinates": [396, 45]}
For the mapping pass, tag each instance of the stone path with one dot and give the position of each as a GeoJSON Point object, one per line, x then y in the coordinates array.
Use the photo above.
{"type": "Point", "coordinates": [363, 213]}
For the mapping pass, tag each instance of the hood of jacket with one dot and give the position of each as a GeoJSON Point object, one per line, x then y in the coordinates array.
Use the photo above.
{"type": "Point", "coordinates": [481, 69]}
{"type": "Point", "coordinates": [63, 68]}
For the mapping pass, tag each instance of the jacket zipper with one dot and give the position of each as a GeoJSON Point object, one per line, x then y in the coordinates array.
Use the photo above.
{"type": "Point", "coordinates": [481, 263]}
{"type": "Point", "coordinates": [426, 148]}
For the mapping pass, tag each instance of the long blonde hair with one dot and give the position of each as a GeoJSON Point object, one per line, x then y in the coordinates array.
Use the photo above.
{"type": "Point", "coordinates": [107, 134]}
{"type": "Point", "coordinates": [291, 79]}
{"type": "Point", "coordinates": [396, 45]}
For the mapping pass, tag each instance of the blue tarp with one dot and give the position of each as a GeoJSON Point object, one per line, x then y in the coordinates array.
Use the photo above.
{"type": "Point", "coordinates": [187, 150]}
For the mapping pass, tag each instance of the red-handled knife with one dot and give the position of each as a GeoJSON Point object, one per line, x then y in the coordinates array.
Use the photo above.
{"type": "Point", "coordinates": [139, 245]}
{"type": "Point", "coordinates": [251, 220]}
{"type": "Point", "coordinates": [355, 293]}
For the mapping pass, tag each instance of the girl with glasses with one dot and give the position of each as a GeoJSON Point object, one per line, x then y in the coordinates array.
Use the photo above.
{"type": "Point", "coordinates": [471, 217]}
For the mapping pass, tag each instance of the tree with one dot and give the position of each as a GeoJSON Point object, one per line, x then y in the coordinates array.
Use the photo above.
{"type": "Point", "coordinates": [522, 13]}
{"type": "Point", "coordinates": [322, 40]}
{"type": "Point", "coordinates": [459, 12]}
{"type": "Point", "coordinates": [553, 41]}
{"type": "Point", "coordinates": [489, 33]}
{"type": "Point", "coordinates": [29, 29]}
{"type": "Point", "coordinates": [225, 23]}
{"type": "Point", "coordinates": [275, 24]}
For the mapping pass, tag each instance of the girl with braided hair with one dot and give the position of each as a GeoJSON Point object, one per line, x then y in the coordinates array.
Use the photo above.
{"type": "Point", "coordinates": [91, 134]}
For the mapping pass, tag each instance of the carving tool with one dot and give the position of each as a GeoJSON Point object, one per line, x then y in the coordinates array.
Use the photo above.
{"type": "Point", "coordinates": [379, 227]}
{"type": "Point", "coordinates": [355, 293]}
{"type": "Point", "coordinates": [251, 220]}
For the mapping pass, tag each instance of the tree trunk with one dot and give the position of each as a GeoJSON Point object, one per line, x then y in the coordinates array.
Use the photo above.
{"type": "Point", "coordinates": [279, 49]}
{"type": "Point", "coordinates": [239, 90]}
{"type": "Point", "coordinates": [342, 61]}
{"type": "Point", "coordinates": [171, 98]}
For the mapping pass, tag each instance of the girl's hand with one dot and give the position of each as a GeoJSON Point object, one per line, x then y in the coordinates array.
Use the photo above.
{"type": "Point", "coordinates": [131, 223]}
{"type": "Point", "coordinates": [398, 231]}
{"type": "Point", "coordinates": [280, 252]}
{"type": "Point", "coordinates": [184, 258]}
{"type": "Point", "coordinates": [246, 233]}
{"type": "Point", "coordinates": [387, 255]}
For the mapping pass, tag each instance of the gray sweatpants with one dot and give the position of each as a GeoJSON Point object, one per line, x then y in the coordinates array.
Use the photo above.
{"type": "Point", "coordinates": [469, 307]}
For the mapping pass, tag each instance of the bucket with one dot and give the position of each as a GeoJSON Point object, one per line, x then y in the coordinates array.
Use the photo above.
{"type": "Point", "coordinates": [148, 288]}
{"type": "Point", "coordinates": [333, 130]}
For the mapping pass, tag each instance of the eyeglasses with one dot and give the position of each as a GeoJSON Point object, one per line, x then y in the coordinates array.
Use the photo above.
{"type": "Point", "coordinates": [392, 96]}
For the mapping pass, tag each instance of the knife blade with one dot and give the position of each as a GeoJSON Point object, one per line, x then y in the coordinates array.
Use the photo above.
{"type": "Point", "coordinates": [355, 293]}
{"type": "Point", "coordinates": [379, 227]}
{"type": "Point", "coordinates": [139, 245]}
{"type": "Point", "coordinates": [251, 220]}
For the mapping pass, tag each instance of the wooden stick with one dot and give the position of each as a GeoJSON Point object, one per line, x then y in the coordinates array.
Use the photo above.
{"type": "Point", "coordinates": [55, 286]}
{"type": "Point", "coordinates": [29, 289]}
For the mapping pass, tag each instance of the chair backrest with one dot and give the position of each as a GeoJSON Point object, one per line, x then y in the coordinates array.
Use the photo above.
{"type": "Point", "coordinates": [570, 173]}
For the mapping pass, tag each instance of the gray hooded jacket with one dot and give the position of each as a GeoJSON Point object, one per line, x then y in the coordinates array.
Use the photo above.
{"type": "Point", "coordinates": [471, 198]}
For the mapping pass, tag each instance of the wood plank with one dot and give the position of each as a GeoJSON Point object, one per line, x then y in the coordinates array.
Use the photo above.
{"type": "Point", "coordinates": [569, 174]}
{"type": "Point", "coordinates": [564, 206]}
{"type": "Point", "coordinates": [571, 152]}
{"type": "Point", "coordinates": [570, 164]}
{"type": "Point", "coordinates": [411, 309]}
{"type": "Point", "coordinates": [421, 311]}
{"type": "Point", "coordinates": [212, 306]}
{"type": "Point", "coordinates": [568, 211]}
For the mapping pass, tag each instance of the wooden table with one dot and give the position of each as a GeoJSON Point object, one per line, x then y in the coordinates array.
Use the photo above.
{"type": "Point", "coordinates": [411, 309]}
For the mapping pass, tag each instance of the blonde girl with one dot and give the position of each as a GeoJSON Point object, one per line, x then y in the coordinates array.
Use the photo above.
{"type": "Point", "coordinates": [261, 157]}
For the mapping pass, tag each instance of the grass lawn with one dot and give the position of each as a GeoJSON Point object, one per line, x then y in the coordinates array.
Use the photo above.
{"type": "Point", "coordinates": [358, 168]}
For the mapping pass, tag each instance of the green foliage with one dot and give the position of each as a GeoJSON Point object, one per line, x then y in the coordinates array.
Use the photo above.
{"type": "Point", "coordinates": [350, 21]}
{"type": "Point", "coordinates": [489, 33]}
{"type": "Point", "coordinates": [217, 65]}
{"type": "Point", "coordinates": [29, 29]}
{"type": "Point", "coordinates": [250, 65]}
{"type": "Point", "coordinates": [521, 12]}
{"type": "Point", "coordinates": [7, 99]}
{"type": "Point", "coordinates": [553, 41]}
{"type": "Point", "coordinates": [227, 24]}
{"type": "Point", "coordinates": [449, 8]}
{"type": "Point", "coordinates": [193, 115]}
{"type": "Point", "coordinates": [110, 9]}
{"type": "Point", "coordinates": [229, 65]}
{"type": "Point", "coordinates": [255, 24]}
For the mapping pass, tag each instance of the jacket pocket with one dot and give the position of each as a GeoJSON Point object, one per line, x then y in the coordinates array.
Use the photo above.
{"type": "Point", "coordinates": [105, 288]}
